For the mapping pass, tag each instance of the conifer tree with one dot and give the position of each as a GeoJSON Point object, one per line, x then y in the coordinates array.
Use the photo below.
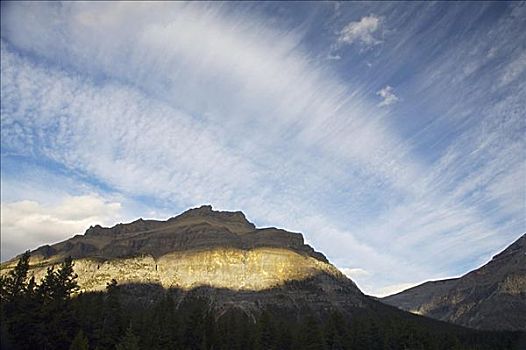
{"type": "Point", "coordinates": [265, 332]}
{"type": "Point", "coordinates": [66, 283]}
{"type": "Point", "coordinates": [14, 284]}
{"type": "Point", "coordinates": [80, 342]}
{"type": "Point", "coordinates": [112, 317]}
{"type": "Point", "coordinates": [60, 284]}
{"type": "Point", "coordinates": [312, 334]}
{"type": "Point", "coordinates": [17, 304]}
{"type": "Point", "coordinates": [58, 323]}
{"type": "Point", "coordinates": [129, 341]}
{"type": "Point", "coordinates": [46, 287]}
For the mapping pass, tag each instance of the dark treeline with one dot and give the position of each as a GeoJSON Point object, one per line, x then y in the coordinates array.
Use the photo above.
{"type": "Point", "coordinates": [44, 315]}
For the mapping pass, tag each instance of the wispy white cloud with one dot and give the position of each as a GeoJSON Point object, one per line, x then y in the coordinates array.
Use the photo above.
{"type": "Point", "coordinates": [388, 96]}
{"type": "Point", "coordinates": [393, 289]}
{"type": "Point", "coordinates": [514, 69]}
{"type": "Point", "coordinates": [165, 153]}
{"type": "Point", "coordinates": [352, 273]}
{"type": "Point", "coordinates": [364, 31]}
{"type": "Point", "coordinates": [162, 152]}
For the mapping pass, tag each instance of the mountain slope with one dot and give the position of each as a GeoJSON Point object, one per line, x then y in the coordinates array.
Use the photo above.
{"type": "Point", "coordinates": [491, 297]}
{"type": "Point", "coordinates": [204, 249]}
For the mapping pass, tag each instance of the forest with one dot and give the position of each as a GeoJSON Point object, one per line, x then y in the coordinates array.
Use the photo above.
{"type": "Point", "coordinates": [52, 314]}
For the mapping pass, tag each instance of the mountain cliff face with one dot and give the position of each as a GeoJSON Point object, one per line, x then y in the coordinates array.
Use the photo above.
{"type": "Point", "coordinates": [491, 297]}
{"type": "Point", "coordinates": [203, 249]}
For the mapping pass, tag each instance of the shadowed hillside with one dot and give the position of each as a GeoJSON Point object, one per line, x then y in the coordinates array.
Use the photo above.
{"type": "Point", "coordinates": [46, 315]}
{"type": "Point", "coordinates": [491, 297]}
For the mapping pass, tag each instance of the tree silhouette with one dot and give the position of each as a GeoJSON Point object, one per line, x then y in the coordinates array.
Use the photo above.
{"type": "Point", "coordinates": [13, 285]}
{"type": "Point", "coordinates": [61, 284]}
{"type": "Point", "coordinates": [129, 341]}
{"type": "Point", "coordinates": [80, 342]}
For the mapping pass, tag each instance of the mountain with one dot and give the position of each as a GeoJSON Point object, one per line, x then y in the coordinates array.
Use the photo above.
{"type": "Point", "coordinates": [205, 279]}
{"type": "Point", "coordinates": [490, 297]}
{"type": "Point", "coordinates": [215, 252]}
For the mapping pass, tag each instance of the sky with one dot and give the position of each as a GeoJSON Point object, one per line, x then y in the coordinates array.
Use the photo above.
{"type": "Point", "coordinates": [391, 134]}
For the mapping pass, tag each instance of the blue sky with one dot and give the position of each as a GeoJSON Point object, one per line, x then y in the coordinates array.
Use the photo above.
{"type": "Point", "coordinates": [391, 134]}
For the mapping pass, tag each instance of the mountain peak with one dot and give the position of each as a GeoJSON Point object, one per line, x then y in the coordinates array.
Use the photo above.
{"type": "Point", "coordinates": [198, 228]}
{"type": "Point", "coordinates": [205, 209]}
{"type": "Point", "coordinates": [206, 212]}
{"type": "Point", "coordinates": [234, 221]}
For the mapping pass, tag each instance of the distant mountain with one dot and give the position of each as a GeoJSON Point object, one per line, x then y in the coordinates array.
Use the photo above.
{"type": "Point", "coordinates": [491, 297]}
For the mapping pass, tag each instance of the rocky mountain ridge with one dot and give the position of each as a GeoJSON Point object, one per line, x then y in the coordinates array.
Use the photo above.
{"type": "Point", "coordinates": [195, 229]}
{"type": "Point", "coordinates": [490, 297]}
{"type": "Point", "coordinates": [221, 252]}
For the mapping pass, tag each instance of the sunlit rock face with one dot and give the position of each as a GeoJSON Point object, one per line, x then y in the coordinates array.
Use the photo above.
{"type": "Point", "coordinates": [200, 248]}
{"type": "Point", "coordinates": [231, 268]}
{"type": "Point", "coordinates": [491, 297]}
